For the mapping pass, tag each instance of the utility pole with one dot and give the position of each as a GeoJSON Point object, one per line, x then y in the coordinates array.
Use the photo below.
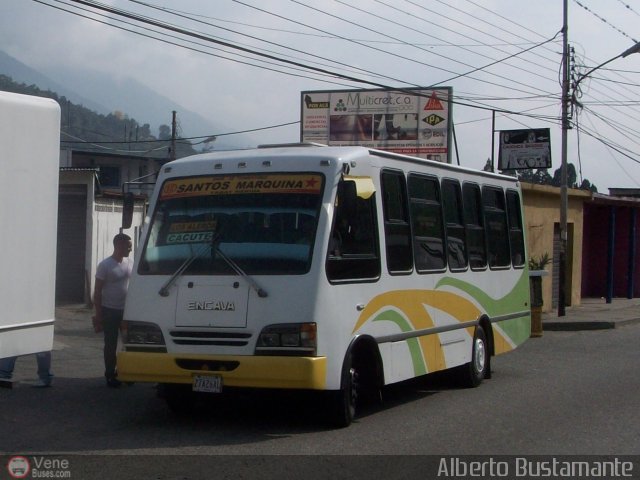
{"type": "Point", "coordinates": [173, 136]}
{"type": "Point", "coordinates": [493, 140]}
{"type": "Point", "coordinates": [564, 196]}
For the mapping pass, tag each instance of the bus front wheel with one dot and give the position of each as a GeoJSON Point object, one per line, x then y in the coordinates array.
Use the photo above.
{"type": "Point", "coordinates": [180, 399]}
{"type": "Point", "coordinates": [343, 402]}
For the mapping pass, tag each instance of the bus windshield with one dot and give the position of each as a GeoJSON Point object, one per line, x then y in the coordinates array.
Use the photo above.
{"type": "Point", "coordinates": [266, 224]}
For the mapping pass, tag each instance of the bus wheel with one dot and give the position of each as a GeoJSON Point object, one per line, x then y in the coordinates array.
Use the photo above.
{"type": "Point", "coordinates": [343, 402]}
{"type": "Point", "coordinates": [475, 371]}
{"type": "Point", "coordinates": [180, 399]}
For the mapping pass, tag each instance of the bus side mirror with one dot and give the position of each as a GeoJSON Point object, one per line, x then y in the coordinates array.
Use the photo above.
{"type": "Point", "coordinates": [347, 198]}
{"type": "Point", "coordinates": [127, 210]}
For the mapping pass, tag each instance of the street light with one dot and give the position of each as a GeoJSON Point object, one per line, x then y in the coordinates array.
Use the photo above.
{"type": "Point", "coordinates": [629, 51]}
{"type": "Point", "coordinates": [564, 198]}
{"type": "Point", "coordinates": [626, 53]}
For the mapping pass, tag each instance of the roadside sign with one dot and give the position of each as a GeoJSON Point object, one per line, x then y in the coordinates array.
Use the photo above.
{"type": "Point", "coordinates": [410, 121]}
{"type": "Point", "coordinates": [524, 149]}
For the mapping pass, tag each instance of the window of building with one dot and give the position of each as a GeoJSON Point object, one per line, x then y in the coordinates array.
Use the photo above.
{"type": "Point", "coordinates": [109, 176]}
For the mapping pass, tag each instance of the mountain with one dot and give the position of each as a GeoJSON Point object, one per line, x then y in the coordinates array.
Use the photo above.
{"type": "Point", "coordinates": [135, 100]}
{"type": "Point", "coordinates": [122, 94]}
{"type": "Point", "coordinates": [21, 73]}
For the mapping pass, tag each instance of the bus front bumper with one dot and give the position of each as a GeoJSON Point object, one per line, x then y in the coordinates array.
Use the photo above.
{"type": "Point", "coordinates": [236, 371]}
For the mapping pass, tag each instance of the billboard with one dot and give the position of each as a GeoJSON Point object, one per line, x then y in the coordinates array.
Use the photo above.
{"type": "Point", "coordinates": [410, 121]}
{"type": "Point", "coordinates": [524, 149]}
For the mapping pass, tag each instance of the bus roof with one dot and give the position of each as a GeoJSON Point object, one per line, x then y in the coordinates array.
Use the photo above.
{"type": "Point", "coordinates": [340, 153]}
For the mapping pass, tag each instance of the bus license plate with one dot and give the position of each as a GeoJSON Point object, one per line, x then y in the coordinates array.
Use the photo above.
{"type": "Point", "coordinates": [207, 383]}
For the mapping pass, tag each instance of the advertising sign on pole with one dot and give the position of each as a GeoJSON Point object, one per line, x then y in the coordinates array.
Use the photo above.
{"type": "Point", "coordinates": [524, 149]}
{"type": "Point", "coordinates": [409, 121]}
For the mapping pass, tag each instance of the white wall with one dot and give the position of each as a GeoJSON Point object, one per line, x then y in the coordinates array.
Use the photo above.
{"type": "Point", "coordinates": [107, 219]}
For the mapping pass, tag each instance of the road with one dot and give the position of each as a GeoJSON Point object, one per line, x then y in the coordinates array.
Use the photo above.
{"type": "Point", "coordinates": [567, 393]}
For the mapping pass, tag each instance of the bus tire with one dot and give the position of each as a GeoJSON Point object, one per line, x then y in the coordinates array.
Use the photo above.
{"type": "Point", "coordinates": [180, 399]}
{"type": "Point", "coordinates": [342, 403]}
{"type": "Point", "coordinates": [475, 371]}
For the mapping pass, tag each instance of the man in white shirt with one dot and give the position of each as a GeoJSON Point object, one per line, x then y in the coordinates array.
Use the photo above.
{"type": "Point", "coordinates": [112, 281]}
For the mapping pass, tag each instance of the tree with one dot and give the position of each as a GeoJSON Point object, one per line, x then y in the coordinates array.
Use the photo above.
{"type": "Point", "coordinates": [164, 132]}
{"type": "Point", "coordinates": [542, 177]}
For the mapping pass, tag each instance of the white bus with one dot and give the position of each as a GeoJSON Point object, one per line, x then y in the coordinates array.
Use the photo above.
{"type": "Point", "coordinates": [337, 269]}
{"type": "Point", "coordinates": [30, 161]}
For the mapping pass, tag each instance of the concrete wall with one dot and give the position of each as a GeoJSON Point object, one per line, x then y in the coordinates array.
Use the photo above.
{"type": "Point", "coordinates": [542, 217]}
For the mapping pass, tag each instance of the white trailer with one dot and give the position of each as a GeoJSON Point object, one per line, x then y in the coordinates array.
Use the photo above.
{"type": "Point", "coordinates": [29, 165]}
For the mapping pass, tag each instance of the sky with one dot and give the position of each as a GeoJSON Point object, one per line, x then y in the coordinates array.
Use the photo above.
{"type": "Point", "coordinates": [502, 55]}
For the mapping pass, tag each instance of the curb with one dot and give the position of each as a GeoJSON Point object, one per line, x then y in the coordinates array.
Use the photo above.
{"type": "Point", "coordinates": [577, 326]}
{"type": "Point", "coordinates": [571, 326]}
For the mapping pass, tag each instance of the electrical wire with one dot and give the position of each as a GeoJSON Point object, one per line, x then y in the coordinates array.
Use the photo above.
{"type": "Point", "coordinates": [174, 28]}
{"type": "Point", "coordinates": [439, 15]}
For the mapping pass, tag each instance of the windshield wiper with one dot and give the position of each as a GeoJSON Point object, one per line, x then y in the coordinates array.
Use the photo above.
{"type": "Point", "coordinates": [236, 268]}
{"type": "Point", "coordinates": [164, 291]}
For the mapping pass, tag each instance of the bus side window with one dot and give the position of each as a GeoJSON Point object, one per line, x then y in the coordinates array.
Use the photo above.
{"type": "Point", "coordinates": [516, 234]}
{"type": "Point", "coordinates": [495, 217]}
{"type": "Point", "coordinates": [474, 224]}
{"type": "Point", "coordinates": [456, 242]}
{"type": "Point", "coordinates": [353, 247]}
{"type": "Point", "coordinates": [427, 223]}
{"type": "Point", "coordinates": [397, 231]}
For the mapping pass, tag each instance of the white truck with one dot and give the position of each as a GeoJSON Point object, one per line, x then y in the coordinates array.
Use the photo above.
{"type": "Point", "coordinates": [29, 161]}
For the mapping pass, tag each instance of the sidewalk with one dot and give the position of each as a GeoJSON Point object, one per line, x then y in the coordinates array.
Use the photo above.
{"type": "Point", "coordinates": [594, 314]}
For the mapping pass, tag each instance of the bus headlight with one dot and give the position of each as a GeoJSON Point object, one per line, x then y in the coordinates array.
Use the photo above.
{"type": "Point", "coordinates": [288, 339]}
{"type": "Point", "coordinates": [142, 333]}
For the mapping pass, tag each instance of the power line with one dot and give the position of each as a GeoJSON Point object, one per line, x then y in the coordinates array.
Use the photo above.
{"type": "Point", "coordinates": [628, 7]}
{"type": "Point", "coordinates": [178, 44]}
{"type": "Point", "coordinates": [201, 36]}
{"type": "Point", "coordinates": [182, 139]}
{"type": "Point", "coordinates": [332, 61]}
{"type": "Point", "coordinates": [457, 74]}
{"type": "Point", "coordinates": [440, 15]}
{"type": "Point", "coordinates": [604, 20]}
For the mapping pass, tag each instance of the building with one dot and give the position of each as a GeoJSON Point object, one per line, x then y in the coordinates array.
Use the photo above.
{"type": "Point", "coordinates": [610, 257]}
{"type": "Point", "coordinates": [90, 211]}
{"type": "Point", "coordinates": [602, 261]}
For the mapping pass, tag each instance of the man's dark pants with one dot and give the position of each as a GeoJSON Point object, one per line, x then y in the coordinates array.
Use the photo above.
{"type": "Point", "coordinates": [111, 320]}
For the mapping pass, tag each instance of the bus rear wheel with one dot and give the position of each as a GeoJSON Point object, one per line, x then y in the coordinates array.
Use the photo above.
{"type": "Point", "coordinates": [475, 371]}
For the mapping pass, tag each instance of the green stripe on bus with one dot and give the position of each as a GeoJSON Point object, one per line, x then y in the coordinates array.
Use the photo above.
{"type": "Point", "coordinates": [514, 301]}
{"type": "Point", "coordinates": [417, 359]}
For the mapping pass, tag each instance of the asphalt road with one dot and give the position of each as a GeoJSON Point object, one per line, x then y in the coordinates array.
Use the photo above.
{"type": "Point", "coordinates": [567, 393]}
